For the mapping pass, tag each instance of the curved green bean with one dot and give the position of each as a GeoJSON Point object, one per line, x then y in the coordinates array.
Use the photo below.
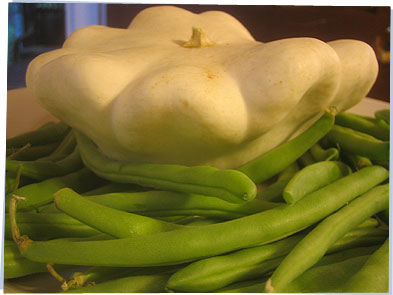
{"type": "Point", "coordinates": [308, 251]}
{"type": "Point", "coordinates": [160, 204]}
{"type": "Point", "coordinates": [211, 273]}
{"type": "Point", "coordinates": [356, 162]}
{"type": "Point", "coordinates": [276, 160]}
{"type": "Point", "coordinates": [313, 177]}
{"type": "Point", "coordinates": [116, 223]}
{"type": "Point", "coordinates": [41, 193]}
{"type": "Point", "coordinates": [273, 192]}
{"type": "Point", "coordinates": [15, 265]}
{"type": "Point", "coordinates": [383, 115]}
{"type": "Point", "coordinates": [362, 124]}
{"type": "Point", "coordinates": [230, 185]}
{"type": "Point", "coordinates": [320, 154]}
{"type": "Point", "coordinates": [98, 274]}
{"type": "Point", "coordinates": [187, 244]}
{"type": "Point", "coordinates": [373, 277]}
{"type": "Point", "coordinates": [41, 170]}
{"type": "Point", "coordinates": [32, 153]}
{"type": "Point", "coordinates": [45, 226]}
{"type": "Point", "coordinates": [50, 132]}
{"type": "Point", "coordinates": [66, 147]}
{"type": "Point", "coordinates": [327, 278]}
{"type": "Point", "coordinates": [359, 143]}
{"type": "Point", "coordinates": [132, 284]}
{"type": "Point", "coordinates": [164, 203]}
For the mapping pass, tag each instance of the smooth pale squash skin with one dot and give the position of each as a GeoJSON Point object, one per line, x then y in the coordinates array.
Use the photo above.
{"type": "Point", "coordinates": [143, 97]}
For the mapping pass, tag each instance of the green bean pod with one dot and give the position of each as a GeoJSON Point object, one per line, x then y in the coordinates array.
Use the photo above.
{"type": "Point", "coordinates": [306, 159]}
{"type": "Point", "coordinates": [116, 223]}
{"type": "Point", "coordinates": [313, 177]}
{"type": "Point", "coordinates": [66, 147]}
{"type": "Point", "coordinates": [356, 162]}
{"type": "Point", "coordinates": [98, 274]}
{"type": "Point", "coordinates": [319, 154]}
{"type": "Point", "coordinates": [32, 153]}
{"type": "Point", "coordinates": [163, 203]}
{"type": "Point", "coordinates": [359, 143]}
{"type": "Point", "coordinates": [273, 192]}
{"type": "Point", "coordinates": [190, 243]}
{"type": "Point", "coordinates": [51, 132]}
{"type": "Point", "coordinates": [45, 226]}
{"type": "Point", "coordinates": [15, 265]}
{"type": "Point", "coordinates": [230, 185]}
{"type": "Point", "coordinates": [362, 124]}
{"type": "Point", "coordinates": [383, 115]}
{"type": "Point", "coordinates": [132, 284]}
{"type": "Point", "coordinates": [13, 182]}
{"type": "Point", "coordinates": [343, 263]}
{"type": "Point", "coordinates": [373, 277]}
{"type": "Point", "coordinates": [326, 278]}
{"type": "Point", "coordinates": [41, 170]}
{"type": "Point", "coordinates": [276, 160]}
{"type": "Point", "coordinates": [308, 251]}
{"type": "Point", "coordinates": [209, 274]}
{"type": "Point", "coordinates": [41, 193]}
{"type": "Point", "coordinates": [115, 187]}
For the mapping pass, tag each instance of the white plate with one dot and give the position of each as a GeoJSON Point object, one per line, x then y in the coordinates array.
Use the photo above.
{"type": "Point", "coordinates": [24, 114]}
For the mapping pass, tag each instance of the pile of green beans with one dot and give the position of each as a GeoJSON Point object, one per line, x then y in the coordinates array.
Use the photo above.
{"type": "Point", "coordinates": [308, 216]}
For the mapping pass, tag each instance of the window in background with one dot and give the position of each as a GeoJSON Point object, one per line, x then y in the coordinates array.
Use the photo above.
{"type": "Point", "coordinates": [35, 28]}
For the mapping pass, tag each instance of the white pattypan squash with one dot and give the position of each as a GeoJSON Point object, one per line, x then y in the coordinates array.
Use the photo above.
{"type": "Point", "coordinates": [151, 93]}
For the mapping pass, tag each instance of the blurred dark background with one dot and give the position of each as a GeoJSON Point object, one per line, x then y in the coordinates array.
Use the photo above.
{"type": "Point", "coordinates": [35, 28]}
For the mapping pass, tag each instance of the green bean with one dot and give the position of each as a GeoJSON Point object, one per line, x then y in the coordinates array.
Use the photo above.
{"type": "Point", "coordinates": [230, 185]}
{"type": "Point", "coordinates": [13, 181]}
{"type": "Point", "coordinates": [356, 162]}
{"type": "Point", "coordinates": [116, 223]}
{"type": "Point", "coordinates": [45, 226]}
{"type": "Point", "coordinates": [313, 177]}
{"type": "Point", "coordinates": [359, 143]}
{"type": "Point", "coordinates": [132, 284]}
{"type": "Point", "coordinates": [360, 237]}
{"type": "Point", "coordinates": [209, 274]}
{"type": "Point", "coordinates": [203, 221]}
{"type": "Point", "coordinates": [273, 192]}
{"type": "Point", "coordinates": [114, 187]}
{"type": "Point", "coordinates": [382, 123]}
{"type": "Point", "coordinates": [373, 277]}
{"type": "Point", "coordinates": [95, 274]}
{"type": "Point", "coordinates": [344, 262]}
{"type": "Point", "coordinates": [383, 115]}
{"type": "Point", "coordinates": [66, 147]}
{"type": "Point", "coordinates": [33, 152]}
{"type": "Point", "coordinates": [49, 133]}
{"type": "Point", "coordinates": [41, 170]}
{"type": "Point", "coordinates": [361, 124]}
{"type": "Point", "coordinates": [164, 203]}
{"type": "Point", "coordinates": [384, 215]}
{"type": "Point", "coordinates": [105, 188]}
{"type": "Point", "coordinates": [41, 193]}
{"type": "Point", "coordinates": [98, 274]}
{"type": "Point", "coordinates": [276, 160]}
{"type": "Point", "coordinates": [308, 251]}
{"type": "Point", "coordinates": [370, 222]}
{"type": "Point", "coordinates": [326, 278]}
{"type": "Point", "coordinates": [190, 243]}
{"type": "Point", "coordinates": [319, 154]}
{"type": "Point", "coordinates": [306, 159]}
{"type": "Point", "coordinates": [15, 265]}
